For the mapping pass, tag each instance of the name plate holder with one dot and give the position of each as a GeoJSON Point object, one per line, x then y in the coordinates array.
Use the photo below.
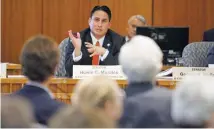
{"type": "Point", "coordinates": [178, 73]}
{"type": "Point", "coordinates": [111, 71]}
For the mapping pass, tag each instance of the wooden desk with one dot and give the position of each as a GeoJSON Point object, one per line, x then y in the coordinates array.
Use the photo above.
{"type": "Point", "coordinates": [62, 88]}
{"type": "Point", "coordinates": [15, 69]}
{"type": "Point", "coordinates": [165, 67]}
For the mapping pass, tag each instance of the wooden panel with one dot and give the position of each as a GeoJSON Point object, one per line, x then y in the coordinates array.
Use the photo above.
{"type": "Point", "coordinates": [14, 69]}
{"type": "Point", "coordinates": [123, 9]}
{"type": "Point", "coordinates": [61, 15]}
{"type": "Point", "coordinates": [197, 14]}
{"type": "Point", "coordinates": [62, 88]}
{"type": "Point", "coordinates": [20, 20]}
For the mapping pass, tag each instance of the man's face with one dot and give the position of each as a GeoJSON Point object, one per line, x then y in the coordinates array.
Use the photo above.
{"type": "Point", "coordinates": [132, 27]}
{"type": "Point", "coordinates": [99, 23]}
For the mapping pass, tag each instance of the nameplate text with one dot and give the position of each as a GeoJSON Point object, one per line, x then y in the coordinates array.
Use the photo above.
{"type": "Point", "coordinates": [84, 71]}
{"type": "Point", "coordinates": [179, 73]}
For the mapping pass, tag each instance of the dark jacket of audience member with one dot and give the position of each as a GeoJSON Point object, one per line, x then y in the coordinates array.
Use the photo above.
{"type": "Point", "coordinates": [39, 58]}
{"type": "Point", "coordinates": [208, 35]}
{"type": "Point", "coordinates": [43, 104]}
{"type": "Point", "coordinates": [146, 106]}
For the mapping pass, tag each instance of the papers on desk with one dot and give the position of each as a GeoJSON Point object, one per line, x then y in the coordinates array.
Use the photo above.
{"type": "Point", "coordinates": [211, 65]}
{"type": "Point", "coordinates": [15, 76]}
{"type": "Point", "coordinates": [3, 70]}
{"type": "Point", "coordinates": [164, 73]}
{"type": "Point", "coordinates": [165, 78]}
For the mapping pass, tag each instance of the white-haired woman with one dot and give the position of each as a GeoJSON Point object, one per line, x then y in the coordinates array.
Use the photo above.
{"type": "Point", "coordinates": [141, 60]}
{"type": "Point", "coordinates": [193, 102]}
{"type": "Point", "coordinates": [100, 93]}
{"type": "Point", "coordinates": [146, 106]}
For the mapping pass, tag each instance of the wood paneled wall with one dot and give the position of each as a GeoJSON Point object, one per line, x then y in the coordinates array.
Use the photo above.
{"type": "Point", "coordinates": [24, 18]}
{"type": "Point", "coordinates": [197, 14]}
{"type": "Point", "coordinates": [20, 20]}
{"type": "Point", "coordinates": [59, 16]}
{"type": "Point", "coordinates": [123, 9]}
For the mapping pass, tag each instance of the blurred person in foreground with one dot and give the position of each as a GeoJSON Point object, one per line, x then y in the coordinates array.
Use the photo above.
{"type": "Point", "coordinates": [193, 102]}
{"type": "Point", "coordinates": [146, 106]}
{"type": "Point", "coordinates": [16, 112]}
{"type": "Point", "coordinates": [70, 117]}
{"type": "Point", "coordinates": [100, 94]}
{"type": "Point", "coordinates": [134, 22]}
{"type": "Point", "coordinates": [39, 58]}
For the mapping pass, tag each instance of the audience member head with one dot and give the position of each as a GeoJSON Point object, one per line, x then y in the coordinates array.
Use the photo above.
{"type": "Point", "coordinates": [100, 93]}
{"type": "Point", "coordinates": [69, 117]}
{"type": "Point", "coordinates": [193, 102]}
{"type": "Point", "coordinates": [141, 59]}
{"type": "Point", "coordinates": [134, 22]}
{"type": "Point", "coordinates": [16, 112]}
{"type": "Point", "coordinates": [39, 58]}
{"type": "Point", "coordinates": [99, 21]}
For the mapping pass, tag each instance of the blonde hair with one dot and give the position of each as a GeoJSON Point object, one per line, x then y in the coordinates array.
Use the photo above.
{"type": "Point", "coordinates": [71, 117]}
{"type": "Point", "coordinates": [95, 91]}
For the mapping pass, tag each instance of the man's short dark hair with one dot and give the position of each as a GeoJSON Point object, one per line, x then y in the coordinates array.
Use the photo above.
{"type": "Point", "coordinates": [102, 8]}
{"type": "Point", "coordinates": [39, 58]}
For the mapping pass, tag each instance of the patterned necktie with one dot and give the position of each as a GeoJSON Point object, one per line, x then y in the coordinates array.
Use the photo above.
{"type": "Point", "coordinates": [95, 58]}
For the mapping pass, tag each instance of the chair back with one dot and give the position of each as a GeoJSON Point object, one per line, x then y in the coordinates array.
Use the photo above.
{"type": "Point", "coordinates": [60, 71]}
{"type": "Point", "coordinates": [195, 54]}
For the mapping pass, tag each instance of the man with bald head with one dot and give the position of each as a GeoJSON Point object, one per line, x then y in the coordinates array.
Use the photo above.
{"type": "Point", "coordinates": [134, 22]}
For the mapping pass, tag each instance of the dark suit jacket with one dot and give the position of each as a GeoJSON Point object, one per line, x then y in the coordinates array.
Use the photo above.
{"type": "Point", "coordinates": [44, 106]}
{"type": "Point", "coordinates": [210, 56]}
{"type": "Point", "coordinates": [146, 107]}
{"type": "Point", "coordinates": [114, 40]}
{"type": "Point", "coordinates": [209, 35]}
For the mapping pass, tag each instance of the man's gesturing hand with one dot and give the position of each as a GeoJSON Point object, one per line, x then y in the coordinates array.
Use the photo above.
{"type": "Point", "coordinates": [76, 41]}
{"type": "Point", "coordinates": [95, 50]}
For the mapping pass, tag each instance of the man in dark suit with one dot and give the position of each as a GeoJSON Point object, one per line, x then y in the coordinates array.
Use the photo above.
{"type": "Point", "coordinates": [209, 35]}
{"type": "Point", "coordinates": [39, 58]}
{"type": "Point", "coordinates": [146, 105]}
{"type": "Point", "coordinates": [210, 56]}
{"type": "Point", "coordinates": [96, 45]}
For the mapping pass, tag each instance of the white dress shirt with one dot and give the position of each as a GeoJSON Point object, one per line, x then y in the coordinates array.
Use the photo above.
{"type": "Point", "coordinates": [94, 41]}
{"type": "Point", "coordinates": [127, 38]}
